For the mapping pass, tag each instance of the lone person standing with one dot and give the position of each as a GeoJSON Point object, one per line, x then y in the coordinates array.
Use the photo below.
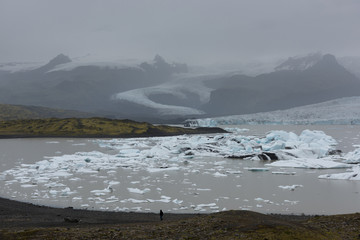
{"type": "Point", "coordinates": [161, 215]}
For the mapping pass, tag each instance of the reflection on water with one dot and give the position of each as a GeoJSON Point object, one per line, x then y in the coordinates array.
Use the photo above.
{"type": "Point", "coordinates": [200, 185]}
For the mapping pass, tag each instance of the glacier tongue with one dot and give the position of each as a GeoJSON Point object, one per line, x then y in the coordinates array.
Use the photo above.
{"type": "Point", "coordinates": [338, 111]}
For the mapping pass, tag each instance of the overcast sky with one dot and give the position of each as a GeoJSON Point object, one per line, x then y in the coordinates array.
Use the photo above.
{"type": "Point", "coordinates": [192, 31]}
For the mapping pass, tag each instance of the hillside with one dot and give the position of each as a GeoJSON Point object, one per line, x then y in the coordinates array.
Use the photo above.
{"type": "Point", "coordinates": [90, 127]}
{"type": "Point", "coordinates": [13, 112]}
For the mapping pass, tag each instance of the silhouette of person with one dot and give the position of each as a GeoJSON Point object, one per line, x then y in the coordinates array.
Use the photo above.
{"type": "Point", "coordinates": [161, 215]}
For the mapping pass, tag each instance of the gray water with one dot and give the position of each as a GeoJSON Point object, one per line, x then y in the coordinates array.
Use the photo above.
{"type": "Point", "coordinates": [188, 190]}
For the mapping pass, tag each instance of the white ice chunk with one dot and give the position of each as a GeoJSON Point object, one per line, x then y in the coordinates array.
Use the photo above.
{"type": "Point", "coordinates": [290, 187]}
{"type": "Point", "coordinates": [217, 174]}
{"type": "Point", "coordinates": [308, 163]}
{"type": "Point", "coordinates": [354, 174]}
{"type": "Point", "coordinates": [138, 191]}
{"type": "Point", "coordinates": [353, 157]}
{"type": "Point", "coordinates": [28, 185]}
{"type": "Point", "coordinates": [102, 192]}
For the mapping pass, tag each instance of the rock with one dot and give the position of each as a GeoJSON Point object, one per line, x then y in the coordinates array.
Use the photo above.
{"type": "Point", "coordinates": [71, 220]}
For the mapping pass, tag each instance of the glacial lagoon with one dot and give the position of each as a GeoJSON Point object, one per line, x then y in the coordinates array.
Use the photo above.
{"type": "Point", "coordinates": [186, 174]}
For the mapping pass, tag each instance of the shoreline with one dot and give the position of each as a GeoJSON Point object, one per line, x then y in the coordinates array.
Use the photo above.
{"type": "Point", "coordinates": [17, 214]}
{"type": "Point", "coordinates": [19, 220]}
{"type": "Point", "coordinates": [146, 135]}
{"type": "Point", "coordinates": [14, 213]}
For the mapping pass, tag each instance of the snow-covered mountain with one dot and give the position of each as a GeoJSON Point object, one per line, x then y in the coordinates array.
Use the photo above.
{"type": "Point", "coordinates": [323, 81]}
{"type": "Point", "coordinates": [300, 62]}
{"type": "Point", "coordinates": [339, 111]}
{"type": "Point", "coordinates": [157, 90]}
{"type": "Point", "coordinates": [82, 85]}
{"type": "Point", "coordinates": [352, 64]}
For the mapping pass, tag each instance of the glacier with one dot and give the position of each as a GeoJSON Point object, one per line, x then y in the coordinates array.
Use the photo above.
{"type": "Point", "coordinates": [179, 87]}
{"type": "Point", "coordinates": [338, 111]}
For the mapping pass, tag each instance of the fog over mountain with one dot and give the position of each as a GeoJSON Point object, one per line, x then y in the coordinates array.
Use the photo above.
{"type": "Point", "coordinates": [196, 32]}
{"type": "Point", "coordinates": [87, 87]}
{"type": "Point", "coordinates": [156, 60]}
{"type": "Point", "coordinates": [321, 81]}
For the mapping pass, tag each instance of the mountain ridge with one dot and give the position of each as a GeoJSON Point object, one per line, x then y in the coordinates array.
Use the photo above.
{"type": "Point", "coordinates": [165, 91]}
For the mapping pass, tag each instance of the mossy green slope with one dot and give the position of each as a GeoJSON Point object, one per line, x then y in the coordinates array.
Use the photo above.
{"type": "Point", "coordinates": [13, 112]}
{"type": "Point", "coordinates": [89, 127]}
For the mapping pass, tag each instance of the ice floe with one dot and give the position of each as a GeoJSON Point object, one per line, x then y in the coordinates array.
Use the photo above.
{"type": "Point", "coordinates": [290, 187]}
{"type": "Point", "coordinates": [353, 157]}
{"type": "Point", "coordinates": [309, 163]}
{"type": "Point", "coordinates": [139, 191]}
{"type": "Point", "coordinates": [353, 174]}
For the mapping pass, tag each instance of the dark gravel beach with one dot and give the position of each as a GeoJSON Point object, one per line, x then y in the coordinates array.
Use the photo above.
{"type": "Point", "coordinates": [20, 220]}
{"type": "Point", "coordinates": [14, 214]}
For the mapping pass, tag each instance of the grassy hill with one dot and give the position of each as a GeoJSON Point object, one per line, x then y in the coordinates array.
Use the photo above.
{"type": "Point", "coordinates": [13, 112]}
{"type": "Point", "coordinates": [90, 127]}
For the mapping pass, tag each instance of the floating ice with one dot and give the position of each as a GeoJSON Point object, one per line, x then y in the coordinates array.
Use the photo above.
{"type": "Point", "coordinates": [144, 162]}
{"type": "Point", "coordinates": [353, 157]}
{"type": "Point", "coordinates": [165, 199]}
{"type": "Point", "coordinates": [28, 185]}
{"type": "Point", "coordinates": [291, 202]}
{"type": "Point", "coordinates": [102, 192]}
{"type": "Point", "coordinates": [254, 169]}
{"type": "Point", "coordinates": [353, 174]}
{"type": "Point", "coordinates": [290, 187]}
{"type": "Point", "coordinates": [309, 163]}
{"type": "Point", "coordinates": [138, 191]}
{"type": "Point", "coordinates": [283, 173]}
{"type": "Point", "coordinates": [217, 174]}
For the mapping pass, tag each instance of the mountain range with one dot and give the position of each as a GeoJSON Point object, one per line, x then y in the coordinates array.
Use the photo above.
{"type": "Point", "coordinates": [159, 91]}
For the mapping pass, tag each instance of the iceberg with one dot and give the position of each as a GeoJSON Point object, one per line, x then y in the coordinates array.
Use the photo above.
{"type": "Point", "coordinates": [290, 187]}
{"type": "Point", "coordinates": [353, 174]}
{"type": "Point", "coordinates": [309, 163]}
{"type": "Point", "coordinates": [138, 191]}
{"type": "Point", "coordinates": [352, 157]}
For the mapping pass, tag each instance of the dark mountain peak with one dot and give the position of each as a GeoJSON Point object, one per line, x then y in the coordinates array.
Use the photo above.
{"type": "Point", "coordinates": [159, 59]}
{"type": "Point", "coordinates": [330, 59]}
{"type": "Point", "coordinates": [300, 62]}
{"type": "Point", "coordinates": [328, 63]}
{"type": "Point", "coordinates": [59, 59]}
{"type": "Point", "coordinates": [162, 69]}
